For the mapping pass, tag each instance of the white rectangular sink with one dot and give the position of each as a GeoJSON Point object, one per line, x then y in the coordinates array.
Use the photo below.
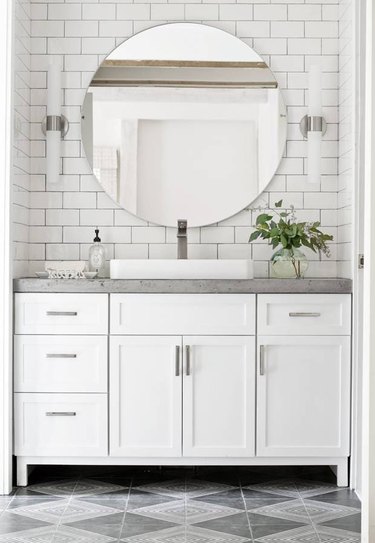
{"type": "Point", "coordinates": [181, 269]}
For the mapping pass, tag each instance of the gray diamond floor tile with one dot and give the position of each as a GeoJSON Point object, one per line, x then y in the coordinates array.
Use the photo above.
{"type": "Point", "coordinates": [323, 511]}
{"type": "Point", "coordinates": [191, 488]}
{"type": "Point", "coordinates": [305, 534]}
{"type": "Point", "coordinates": [48, 511]}
{"type": "Point", "coordinates": [340, 497]}
{"type": "Point", "coordinates": [293, 510]}
{"type": "Point", "coordinates": [307, 489]}
{"type": "Point", "coordinates": [351, 523]}
{"type": "Point", "coordinates": [110, 525]}
{"type": "Point", "coordinates": [14, 523]}
{"type": "Point", "coordinates": [237, 525]}
{"type": "Point", "coordinates": [231, 498]}
{"type": "Point", "coordinates": [188, 534]}
{"type": "Point", "coordinates": [281, 487]}
{"type": "Point", "coordinates": [138, 499]}
{"type": "Point", "coordinates": [62, 488]}
{"type": "Point", "coordinates": [335, 535]}
{"type": "Point", "coordinates": [278, 527]}
{"type": "Point", "coordinates": [135, 525]}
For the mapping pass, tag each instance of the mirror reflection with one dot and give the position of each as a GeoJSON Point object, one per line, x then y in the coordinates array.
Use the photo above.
{"type": "Point", "coordinates": [196, 137]}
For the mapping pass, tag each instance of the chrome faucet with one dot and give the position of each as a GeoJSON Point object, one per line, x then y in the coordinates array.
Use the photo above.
{"type": "Point", "coordinates": [182, 238]}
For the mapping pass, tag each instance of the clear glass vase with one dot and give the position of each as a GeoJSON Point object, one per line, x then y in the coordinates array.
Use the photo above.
{"type": "Point", "coordinates": [289, 264]}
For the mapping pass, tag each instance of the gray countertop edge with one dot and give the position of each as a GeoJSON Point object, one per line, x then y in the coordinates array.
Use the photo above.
{"type": "Point", "coordinates": [187, 286]}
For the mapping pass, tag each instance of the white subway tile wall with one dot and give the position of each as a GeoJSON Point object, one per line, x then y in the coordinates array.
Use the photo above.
{"type": "Point", "coordinates": [21, 137]}
{"type": "Point", "coordinates": [289, 34]}
{"type": "Point", "coordinates": [345, 194]}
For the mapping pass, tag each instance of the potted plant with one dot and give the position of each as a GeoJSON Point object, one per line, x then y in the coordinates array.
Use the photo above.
{"type": "Point", "coordinates": [283, 229]}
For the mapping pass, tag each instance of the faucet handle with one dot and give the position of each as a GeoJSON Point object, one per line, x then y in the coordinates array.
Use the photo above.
{"type": "Point", "coordinates": [181, 227]}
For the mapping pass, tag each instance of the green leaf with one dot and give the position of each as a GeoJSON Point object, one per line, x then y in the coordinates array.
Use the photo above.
{"type": "Point", "coordinates": [254, 235]}
{"type": "Point", "coordinates": [279, 203]}
{"type": "Point", "coordinates": [263, 218]}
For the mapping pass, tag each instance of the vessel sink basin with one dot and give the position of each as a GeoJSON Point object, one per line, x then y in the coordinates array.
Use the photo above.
{"type": "Point", "coordinates": [181, 269]}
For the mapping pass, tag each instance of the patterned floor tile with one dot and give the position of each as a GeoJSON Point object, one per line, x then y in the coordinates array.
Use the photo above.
{"type": "Point", "coordinates": [13, 523]}
{"type": "Point", "coordinates": [291, 510]}
{"type": "Point", "coordinates": [279, 487]}
{"type": "Point", "coordinates": [322, 511]}
{"type": "Point", "coordinates": [138, 499]}
{"type": "Point", "coordinates": [334, 535]}
{"type": "Point", "coordinates": [304, 534]}
{"type": "Point", "coordinates": [192, 488]}
{"type": "Point", "coordinates": [83, 487]}
{"type": "Point", "coordinates": [231, 498]}
{"type": "Point", "coordinates": [188, 512]}
{"type": "Point", "coordinates": [307, 489]}
{"type": "Point", "coordinates": [135, 525]}
{"type": "Point", "coordinates": [237, 525]}
{"type": "Point", "coordinates": [189, 534]}
{"type": "Point", "coordinates": [54, 535]}
{"type": "Point", "coordinates": [110, 525]}
{"type": "Point", "coordinates": [275, 526]}
{"type": "Point", "coordinates": [341, 497]}
{"type": "Point", "coordinates": [63, 511]}
{"type": "Point", "coordinates": [351, 523]}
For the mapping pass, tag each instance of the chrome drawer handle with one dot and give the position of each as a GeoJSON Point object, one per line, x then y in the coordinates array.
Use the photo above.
{"type": "Point", "coordinates": [177, 361]}
{"type": "Point", "coordinates": [304, 314]}
{"type": "Point", "coordinates": [62, 355]}
{"type": "Point", "coordinates": [188, 368]}
{"type": "Point", "coordinates": [261, 360]}
{"type": "Point", "coordinates": [61, 313]}
{"type": "Point", "coordinates": [61, 413]}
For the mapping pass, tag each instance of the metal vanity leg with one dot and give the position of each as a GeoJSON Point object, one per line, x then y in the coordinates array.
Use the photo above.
{"type": "Point", "coordinates": [22, 472]}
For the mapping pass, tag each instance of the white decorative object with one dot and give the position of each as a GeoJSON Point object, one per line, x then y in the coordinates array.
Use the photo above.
{"type": "Point", "coordinates": [65, 269]}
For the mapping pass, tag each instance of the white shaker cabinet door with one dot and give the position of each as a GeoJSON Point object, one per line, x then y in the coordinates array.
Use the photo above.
{"type": "Point", "coordinates": [303, 396]}
{"type": "Point", "coordinates": [219, 396]}
{"type": "Point", "coordinates": [145, 396]}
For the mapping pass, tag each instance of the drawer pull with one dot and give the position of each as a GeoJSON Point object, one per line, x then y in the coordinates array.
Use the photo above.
{"type": "Point", "coordinates": [188, 369]}
{"type": "Point", "coordinates": [62, 355]}
{"type": "Point", "coordinates": [62, 313]}
{"type": "Point", "coordinates": [304, 314]}
{"type": "Point", "coordinates": [261, 360]}
{"type": "Point", "coordinates": [61, 413]}
{"type": "Point", "coordinates": [177, 361]}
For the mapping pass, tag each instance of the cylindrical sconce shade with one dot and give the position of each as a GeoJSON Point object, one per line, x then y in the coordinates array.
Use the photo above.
{"type": "Point", "coordinates": [314, 137]}
{"type": "Point", "coordinates": [53, 123]}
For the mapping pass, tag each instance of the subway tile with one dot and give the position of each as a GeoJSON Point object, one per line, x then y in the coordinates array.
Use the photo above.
{"type": "Point", "coordinates": [306, 12]}
{"type": "Point", "coordinates": [115, 28]}
{"type": "Point", "coordinates": [98, 12]}
{"type": "Point", "coordinates": [97, 45]}
{"type": "Point", "coordinates": [172, 12]}
{"type": "Point", "coordinates": [61, 217]}
{"type": "Point", "coordinates": [79, 200]}
{"type": "Point", "coordinates": [134, 11]}
{"type": "Point", "coordinates": [201, 12]}
{"type": "Point", "coordinates": [287, 29]}
{"type": "Point", "coordinates": [96, 217]}
{"type": "Point", "coordinates": [217, 234]}
{"type": "Point", "coordinates": [81, 28]}
{"type": "Point", "coordinates": [62, 251]}
{"type": "Point", "coordinates": [276, 12]}
{"type": "Point", "coordinates": [236, 12]}
{"type": "Point", "coordinates": [45, 234]}
{"type": "Point", "coordinates": [324, 29]}
{"type": "Point", "coordinates": [64, 12]}
{"type": "Point", "coordinates": [148, 234]}
{"type": "Point", "coordinates": [131, 250]}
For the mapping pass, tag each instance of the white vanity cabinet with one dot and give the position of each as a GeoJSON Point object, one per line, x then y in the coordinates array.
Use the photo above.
{"type": "Point", "coordinates": [182, 395]}
{"type": "Point", "coordinates": [182, 379]}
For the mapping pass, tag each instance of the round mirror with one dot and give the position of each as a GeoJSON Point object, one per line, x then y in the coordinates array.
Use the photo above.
{"type": "Point", "coordinates": [183, 122]}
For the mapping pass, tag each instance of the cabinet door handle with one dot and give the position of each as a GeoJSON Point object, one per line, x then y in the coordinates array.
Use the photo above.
{"type": "Point", "coordinates": [303, 314]}
{"type": "Point", "coordinates": [177, 361]}
{"type": "Point", "coordinates": [62, 355]}
{"type": "Point", "coordinates": [61, 413]}
{"type": "Point", "coordinates": [188, 368]}
{"type": "Point", "coordinates": [61, 313]}
{"type": "Point", "coordinates": [261, 360]}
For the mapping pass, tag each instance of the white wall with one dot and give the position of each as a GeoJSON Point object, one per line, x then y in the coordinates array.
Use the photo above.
{"type": "Point", "coordinates": [288, 34]}
{"type": "Point", "coordinates": [21, 135]}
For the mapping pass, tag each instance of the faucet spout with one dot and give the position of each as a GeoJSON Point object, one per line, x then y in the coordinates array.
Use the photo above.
{"type": "Point", "coordinates": [182, 239]}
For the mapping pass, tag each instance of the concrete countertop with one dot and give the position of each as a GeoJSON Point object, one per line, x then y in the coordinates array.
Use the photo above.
{"type": "Point", "coordinates": [187, 286]}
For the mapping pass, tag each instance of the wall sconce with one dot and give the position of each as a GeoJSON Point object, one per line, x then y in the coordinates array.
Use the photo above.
{"type": "Point", "coordinates": [313, 125]}
{"type": "Point", "coordinates": [54, 126]}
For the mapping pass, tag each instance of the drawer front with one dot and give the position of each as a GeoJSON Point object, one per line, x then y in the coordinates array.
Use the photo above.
{"type": "Point", "coordinates": [60, 424]}
{"type": "Point", "coordinates": [61, 313]}
{"type": "Point", "coordinates": [304, 314]}
{"type": "Point", "coordinates": [60, 363]}
{"type": "Point", "coordinates": [194, 314]}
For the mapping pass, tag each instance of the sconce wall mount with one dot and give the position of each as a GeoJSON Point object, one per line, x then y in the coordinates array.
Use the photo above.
{"type": "Point", "coordinates": [312, 123]}
{"type": "Point", "coordinates": [55, 123]}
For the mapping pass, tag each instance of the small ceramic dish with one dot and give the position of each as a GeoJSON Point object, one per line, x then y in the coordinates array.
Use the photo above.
{"type": "Point", "coordinates": [42, 275]}
{"type": "Point", "coordinates": [90, 275]}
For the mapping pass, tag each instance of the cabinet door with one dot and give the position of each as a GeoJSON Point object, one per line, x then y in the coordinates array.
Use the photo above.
{"type": "Point", "coordinates": [219, 396]}
{"type": "Point", "coordinates": [145, 396]}
{"type": "Point", "coordinates": [303, 396]}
